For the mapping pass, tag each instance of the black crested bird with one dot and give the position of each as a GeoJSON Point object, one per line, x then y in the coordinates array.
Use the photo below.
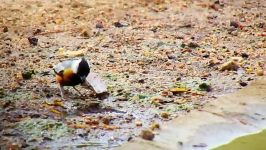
{"type": "Point", "coordinates": [71, 73]}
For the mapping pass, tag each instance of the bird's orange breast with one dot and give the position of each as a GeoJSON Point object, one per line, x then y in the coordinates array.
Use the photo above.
{"type": "Point", "coordinates": [66, 77]}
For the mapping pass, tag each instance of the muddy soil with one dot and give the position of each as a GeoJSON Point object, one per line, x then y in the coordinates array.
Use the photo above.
{"type": "Point", "coordinates": [160, 59]}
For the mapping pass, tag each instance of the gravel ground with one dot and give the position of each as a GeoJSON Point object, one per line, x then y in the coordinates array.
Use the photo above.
{"type": "Point", "coordinates": [159, 58]}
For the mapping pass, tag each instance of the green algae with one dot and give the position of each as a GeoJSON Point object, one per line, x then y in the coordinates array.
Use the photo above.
{"type": "Point", "coordinates": [18, 95]}
{"type": "Point", "coordinates": [39, 128]}
{"type": "Point", "coordinates": [249, 142]}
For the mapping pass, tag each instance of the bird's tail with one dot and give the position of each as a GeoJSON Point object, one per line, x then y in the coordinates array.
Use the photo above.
{"type": "Point", "coordinates": [55, 72]}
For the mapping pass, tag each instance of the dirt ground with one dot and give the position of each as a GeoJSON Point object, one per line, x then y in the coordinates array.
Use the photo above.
{"type": "Point", "coordinates": [159, 58]}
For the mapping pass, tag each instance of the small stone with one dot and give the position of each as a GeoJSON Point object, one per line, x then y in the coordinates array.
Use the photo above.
{"type": "Point", "coordinates": [85, 33]}
{"type": "Point", "coordinates": [118, 24]}
{"type": "Point", "coordinates": [206, 56]}
{"type": "Point", "coordinates": [193, 45]}
{"type": "Point", "coordinates": [230, 65]}
{"type": "Point", "coordinates": [205, 87]}
{"type": "Point", "coordinates": [180, 143]}
{"type": "Point", "coordinates": [158, 100]}
{"type": "Point", "coordinates": [183, 45]}
{"type": "Point", "coordinates": [178, 78]}
{"type": "Point", "coordinates": [155, 126]}
{"type": "Point", "coordinates": [244, 55]}
{"type": "Point", "coordinates": [5, 29]}
{"type": "Point", "coordinates": [200, 145]}
{"type": "Point", "coordinates": [121, 98]}
{"type": "Point", "coordinates": [171, 56]}
{"type": "Point", "coordinates": [165, 115]}
{"type": "Point", "coordinates": [27, 74]}
{"type": "Point", "coordinates": [259, 72]}
{"type": "Point", "coordinates": [106, 120]}
{"type": "Point", "coordinates": [99, 25]}
{"type": "Point", "coordinates": [243, 83]}
{"type": "Point", "coordinates": [138, 123]}
{"type": "Point", "coordinates": [37, 31]}
{"type": "Point", "coordinates": [141, 81]}
{"type": "Point", "coordinates": [33, 41]}
{"type": "Point", "coordinates": [235, 33]}
{"type": "Point", "coordinates": [147, 135]}
{"type": "Point", "coordinates": [234, 24]}
{"type": "Point", "coordinates": [82, 132]}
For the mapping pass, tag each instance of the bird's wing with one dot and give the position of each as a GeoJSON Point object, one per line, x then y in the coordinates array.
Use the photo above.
{"type": "Point", "coordinates": [63, 65]}
{"type": "Point", "coordinates": [73, 64]}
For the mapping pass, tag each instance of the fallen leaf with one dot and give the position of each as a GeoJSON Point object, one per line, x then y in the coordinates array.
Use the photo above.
{"type": "Point", "coordinates": [178, 90]}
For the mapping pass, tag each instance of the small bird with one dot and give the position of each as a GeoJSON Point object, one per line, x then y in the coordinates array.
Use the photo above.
{"type": "Point", "coordinates": [71, 73]}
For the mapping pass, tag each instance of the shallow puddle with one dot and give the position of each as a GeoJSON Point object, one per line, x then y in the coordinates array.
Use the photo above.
{"type": "Point", "coordinates": [253, 141]}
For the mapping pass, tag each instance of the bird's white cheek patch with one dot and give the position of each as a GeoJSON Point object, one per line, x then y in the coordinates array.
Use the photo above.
{"type": "Point", "coordinates": [75, 65]}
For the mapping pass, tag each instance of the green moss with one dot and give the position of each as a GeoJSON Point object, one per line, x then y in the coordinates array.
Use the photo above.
{"type": "Point", "coordinates": [19, 95]}
{"type": "Point", "coordinates": [249, 142]}
{"type": "Point", "coordinates": [28, 74]}
{"type": "Point", "coordinates": [204, 87]}
{"type": "Point", "coordinates": [37, 128]}
{"type": "Point", "coordinates": [2, 93]}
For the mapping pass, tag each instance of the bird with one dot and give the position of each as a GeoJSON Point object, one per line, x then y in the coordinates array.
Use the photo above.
{"type": "Point", "coordinates": [71, 73]}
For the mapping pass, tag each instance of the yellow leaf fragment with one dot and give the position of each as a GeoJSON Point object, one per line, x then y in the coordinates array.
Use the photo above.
{"type": "Point", "coordinates": [178, 90]}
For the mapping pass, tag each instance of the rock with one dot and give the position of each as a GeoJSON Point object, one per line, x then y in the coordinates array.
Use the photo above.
{"type": "Point", "coordinates": [178, 90]}
{"type": "Point", "coordinates": [106, 120]}
{"type": "Point", "coordinates": [85, 33]}
{"type": "Point", "coordinates": [27, 74]}
{"type": "Point", "coordinates": [99, 25]}
{"type": "Point", "coordinates": [118, 24]}
{"type": "Point", "coordinates": [200, 145]}
{"type": "Point", "coordinates": [121, 98]}
{"type": "Point", "coordinates": [96, 83]}
{"type": "Point", "coordinates": [244, 55]}
{"type": "Point", "coordinates": [138, 123]}
{"type": "Point", "coordinates": [155, 126]}
{"type": "Point", "coordinates": [82, 132]}
{"type": "Point", "coordinates": [37, 31]}
{"type": "Point", "coordinates": [234, 24]}
{"type": "Point", "coordinates": [147, 135]}
{"type": "Point", "coordinates": [165, 115]}
{"type": "Point", "coordinates": [259, 72]}
{"type": "Point", "coordinates": [157, 100]}
{"type": "Point", "coordinates": [33, 41]}
{"type": "Point", "coordinates": [193, 45]}
{"type": "Point", "coordinates": [5, 29]}
{"type": "Point", "coordinates": [205, 87]}
{"type": "Point", "coordinates": [171, 56]}
{"type": "Point", "coordinates": [230, 65]}
{"type": "Point", "coordinates": [243, 83]}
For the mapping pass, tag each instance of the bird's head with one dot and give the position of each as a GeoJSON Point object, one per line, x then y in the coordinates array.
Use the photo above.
{"type": "Point", "coordinates": [83, 69]}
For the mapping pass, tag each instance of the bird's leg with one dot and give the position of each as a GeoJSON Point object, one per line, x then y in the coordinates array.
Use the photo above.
{"type": "Point", "coordinates": [61, 91]}
{"type": "Point", "coordinates": [77, 90]}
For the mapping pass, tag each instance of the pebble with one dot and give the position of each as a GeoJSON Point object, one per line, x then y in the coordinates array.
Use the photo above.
{"type": "Point", "coordinates": [155, 126]}
{"type": "Point", "coordinates": [244, 55]}
{"type": "Point", "coordinates": [99, 25]}
{"type": "Point", "coordinates": [33, 41]}
{"type": "Point", "coordinates": [165, 115]}
{"type": "Point", "coordinates": [138, 123]}
{"type": "Point", "coordinates": [5, 29]}
{"type": "Point", "coordinates": [193, 45]}
{"type": "Point", "coordinates": [230, 65]}
{"type": "Point", "coordinates": [259, 72]}
{"type": "Point", "coordinates": [234, 24]}
{"type": "Point", "coordinates": [243, 83]}
{"type": "Point", "coordinates": [147, 135]}
{"type": "Point", "coordinates": [118, 24]}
